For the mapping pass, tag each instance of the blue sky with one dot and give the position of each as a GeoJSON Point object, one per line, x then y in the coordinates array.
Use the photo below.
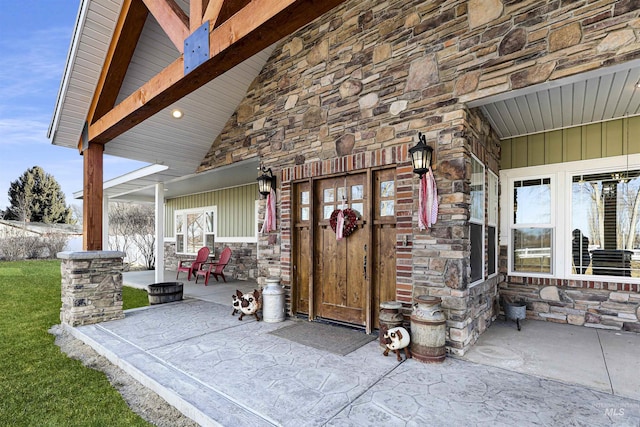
{"type": "Point", "coordinates": [34, 41]}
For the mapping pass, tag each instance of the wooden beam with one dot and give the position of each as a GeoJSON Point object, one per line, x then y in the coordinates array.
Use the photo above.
{"type": "Point", "coordinates": [92, 198]}
{"type": "Point", "coordinates": [255, 27]}
{"type": "Point", "coordinates": [213, 11]}
{"type": "Point", "coordinates": [123, 44]}
{"type": "Point", "coordinates": [196, 13]}
{"type": "Point", "coordinates": [172, 19]}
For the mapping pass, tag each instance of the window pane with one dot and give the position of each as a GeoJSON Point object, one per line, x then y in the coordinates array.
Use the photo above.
{"type": "Point", "coordinates": [532, 201]}
{"type": "Point", "coordinates": [357, 192]}
{"type": "Point", "coordinates": [387, 208]}
{"type": "Point", "coordinates": [477, 191]}
{"type": "Point", "coordinates": [304, 214]}
{"type": "Point", "coordinates": [328, 210]}
{"type": "Point", "coordinates": [476, 252]}
{"type": "Point", "coordinates": [329, 195]}
{"type": "Point", "coordinates": [195, 232]}
{"type": "Point", "coordinates": [492, 250]}
{"type": "Point", "coordinates": [492, 209]}
{"type": "Point", "coordinates": [605, 224]}
{"type": "Point", "coordinates": [210, 217]}
{"type": "Point", "coordinates": [180, 243]}
{"type": "Point", "coordinates": [179, 223]}
{"type": "Point", "coordinates": [532, 250]}
{"type": "Point", "coordinates": [342, 194]}
{"type": "Point", "coordinates": [358, 207]}
{"type": "Point", "coordinates": [304, 198]}
{"type": "Point", "coordinates": [387, 189]}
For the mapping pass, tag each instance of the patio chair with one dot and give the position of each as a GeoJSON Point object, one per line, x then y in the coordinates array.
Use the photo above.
{"type": "Point", "coordinates": [193, 265]}
{"type": "Point", "coordinates": [215, 268]}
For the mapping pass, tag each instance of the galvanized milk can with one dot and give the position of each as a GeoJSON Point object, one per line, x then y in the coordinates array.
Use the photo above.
{"type": "Point", "coordinates": [273, 301]}
{"type": "Point", "coordinates": [390, 317]}
{"type": "Point", "coordinates": [428, 327]}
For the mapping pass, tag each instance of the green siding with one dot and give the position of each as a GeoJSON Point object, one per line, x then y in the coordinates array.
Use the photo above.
{"type": "Point", "coordinates": [591, 141]}
{"type": "Point", "coordinates": [235, 207]}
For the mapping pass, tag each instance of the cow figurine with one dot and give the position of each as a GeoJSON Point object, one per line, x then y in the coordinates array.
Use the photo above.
{"type": "Point", "coordinates": [248, 303]}
{"type": "Point", "coordinates": [397, 339]}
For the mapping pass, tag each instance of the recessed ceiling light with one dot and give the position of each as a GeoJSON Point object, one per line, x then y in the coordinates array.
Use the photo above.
{"type": "Point", "coordinates": [177, 114]}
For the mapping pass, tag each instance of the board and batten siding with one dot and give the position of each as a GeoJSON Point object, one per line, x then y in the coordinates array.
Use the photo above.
{"type": "Point", "coordinates": [236, 209]}
{"type": "Point", "coordinates": [593, 141]}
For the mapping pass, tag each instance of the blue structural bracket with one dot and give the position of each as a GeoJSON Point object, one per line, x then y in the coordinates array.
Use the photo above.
{"type": "Point", "coordinates": [196, 48]}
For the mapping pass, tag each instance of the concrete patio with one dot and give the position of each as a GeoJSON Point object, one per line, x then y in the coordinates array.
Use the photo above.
{"type": "Point", "coordinates": [220, 371]}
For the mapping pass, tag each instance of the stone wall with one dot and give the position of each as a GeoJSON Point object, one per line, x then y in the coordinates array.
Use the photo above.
{"type": "Point", "coordinates": [603, 305]}
{"type": "Point", "coordinates": [242, 266]}
{"type": "Point", "coordinates": [91, 287]}
{"type": "Point", "coordinates": [365, 78]}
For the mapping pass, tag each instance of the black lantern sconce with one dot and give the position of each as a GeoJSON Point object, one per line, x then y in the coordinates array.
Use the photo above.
{"type": "Point", "coordinates": [421, 155]}
{"type": "Point", "coordinates": [266, 183]}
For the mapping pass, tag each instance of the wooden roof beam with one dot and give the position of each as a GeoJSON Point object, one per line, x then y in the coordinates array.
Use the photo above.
{"type": "Point", "coordinates": [255, 27]}
{"type": "Point", "coordinates": [172, 19]}
{"type": "Point", "coordinates": [196, 12]}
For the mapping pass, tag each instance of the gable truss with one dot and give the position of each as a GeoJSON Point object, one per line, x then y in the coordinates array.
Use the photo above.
{"type": "Point", "coordinates": [238, 29]}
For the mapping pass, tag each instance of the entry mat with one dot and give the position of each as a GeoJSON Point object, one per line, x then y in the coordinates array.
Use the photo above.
{"type": "Point", "coordinates": [334, 339]}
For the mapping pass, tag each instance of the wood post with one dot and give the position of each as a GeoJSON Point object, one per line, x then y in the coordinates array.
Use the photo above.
{"type": "Point", "coordinates": [92, 194]}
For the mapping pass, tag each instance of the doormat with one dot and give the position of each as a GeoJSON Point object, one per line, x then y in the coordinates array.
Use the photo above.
{"type": "Point", "coordinates": [334, 339]}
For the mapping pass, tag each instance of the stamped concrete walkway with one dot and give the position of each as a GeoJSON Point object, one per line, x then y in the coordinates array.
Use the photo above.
{"type": "Point", "coordinates": [220, 371]}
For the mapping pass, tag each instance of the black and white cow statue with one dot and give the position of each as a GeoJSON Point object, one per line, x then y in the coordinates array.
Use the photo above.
{"type": "Point", "coordinates": [397, 339]}
{"type": "Point", "coordinates": [248, 303]}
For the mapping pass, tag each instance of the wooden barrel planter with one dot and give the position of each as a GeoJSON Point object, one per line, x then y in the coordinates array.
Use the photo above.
{"type": "Point", "coordinates": [160, 293]}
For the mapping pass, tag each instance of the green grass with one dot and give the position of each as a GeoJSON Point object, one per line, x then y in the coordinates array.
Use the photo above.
{"type": "Point", "coordinates": [40, 385]}
{"type": "Point", "coordinates": [133, 298]}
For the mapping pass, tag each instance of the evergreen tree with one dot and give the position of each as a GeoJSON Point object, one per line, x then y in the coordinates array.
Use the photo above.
{"type": "Point", "coordinates": [36, 197]}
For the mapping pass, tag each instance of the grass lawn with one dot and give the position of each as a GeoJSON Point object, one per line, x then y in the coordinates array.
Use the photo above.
{"type": "Point", "coordinates": [39, 385]}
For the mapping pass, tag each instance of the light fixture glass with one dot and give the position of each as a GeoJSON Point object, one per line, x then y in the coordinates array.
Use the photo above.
{"type": "Point", "coordinates": [266, 181]}
{"type": "Point", "coordinates": [176, 114]}
{"type": "Point", "coordinates": [421, 155]}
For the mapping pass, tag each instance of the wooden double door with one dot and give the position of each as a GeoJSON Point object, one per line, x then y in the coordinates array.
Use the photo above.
{"type": "Point", "coordinates": [345, 280]}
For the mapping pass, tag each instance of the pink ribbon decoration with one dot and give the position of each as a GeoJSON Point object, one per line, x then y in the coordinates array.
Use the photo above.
{"type": "Point", "coordinates": [427, 201]}
{"type": "Point", "coordinates": [270, 214]}
{"type": "Point", "coordinates": [340, 225]}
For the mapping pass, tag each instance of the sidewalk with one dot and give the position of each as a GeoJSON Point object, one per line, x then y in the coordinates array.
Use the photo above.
{"type": "Point", "coordinates": [220, 371]}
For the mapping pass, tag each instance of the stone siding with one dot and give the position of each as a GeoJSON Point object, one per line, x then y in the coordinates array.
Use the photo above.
{"type": "Point", "coordinates": [243, 264]}
{"type": "Point", "coordinates": [604, 305]}
{"type": "Point", "coordinates": [365, 78]}
{"type": "Point", "coordinates": [91, 287]}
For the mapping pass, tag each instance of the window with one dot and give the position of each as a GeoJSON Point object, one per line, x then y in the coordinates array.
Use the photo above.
{"type": "Point", "coordinates": [492, 224]}
{"type": "Point", "coordinates": [531, 230]}
{"type": "Point", "coordinates": [195, 228]}
{"type": "Point", "coordinates": [476, 220]}
{"type": "Point", "coordinates": [605, 223]}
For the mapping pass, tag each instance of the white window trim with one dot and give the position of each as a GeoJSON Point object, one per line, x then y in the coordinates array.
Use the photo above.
{"type": "Point", "coordinates": [494, 224]}
{"type": "Point", "coordinates": [202, 210]}
{"type": "Point", "coordinates": [482, 222]}
{"type": "Point", "coordinates": [561, 174]}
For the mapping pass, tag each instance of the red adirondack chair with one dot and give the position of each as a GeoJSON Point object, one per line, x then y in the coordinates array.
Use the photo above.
{"type": "Point", "coordinates": [215, 268]}
{"type": "Point", "coordinates": [192, 266]}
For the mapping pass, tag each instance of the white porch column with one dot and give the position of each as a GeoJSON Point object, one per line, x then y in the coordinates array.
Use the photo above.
{"type": "Point", "coordinates": [105, 222]}
{"type": "Point", "coordinates": [159, 232]}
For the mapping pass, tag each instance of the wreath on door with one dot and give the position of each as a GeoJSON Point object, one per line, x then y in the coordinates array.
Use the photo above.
{"type": "Point", "coordinates": [350, 221]}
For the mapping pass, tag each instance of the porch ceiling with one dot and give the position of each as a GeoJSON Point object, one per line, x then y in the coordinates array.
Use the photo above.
{"type": "Point", "coordinates": [176, 145]}
{"type": "Point", "coordinates": [595, 96]}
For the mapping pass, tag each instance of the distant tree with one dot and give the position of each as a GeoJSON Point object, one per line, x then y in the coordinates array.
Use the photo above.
{"type": "Point", "coordinates": [132, 230]}
{"type": "Point", "coordinates": [36, 197]}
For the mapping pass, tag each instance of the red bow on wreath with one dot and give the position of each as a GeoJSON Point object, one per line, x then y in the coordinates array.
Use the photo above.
{"type": "Point", "coordinates": [350, 223]}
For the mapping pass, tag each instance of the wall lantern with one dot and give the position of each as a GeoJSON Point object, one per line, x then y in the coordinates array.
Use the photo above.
{"type": "Point", "coordinates": [266, 183]}
{"type": "Point", "coordinates": [421, 155]}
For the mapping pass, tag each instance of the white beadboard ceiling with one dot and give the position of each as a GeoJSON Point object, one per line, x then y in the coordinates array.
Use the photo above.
{"type": "Point", "coordinates": [177, 146]}
{"type": "Point", "coordinates": [595, 96]}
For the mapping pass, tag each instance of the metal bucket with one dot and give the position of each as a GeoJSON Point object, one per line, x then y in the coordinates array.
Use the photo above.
{"type": "Point", "coordinates": [428, 329]}
{"type": "Point", "coordinates": [160, 293]}
{"type": "Point", "coordinates": [515, 311]}
{"type": "Point", "coordinates": [390, 317]}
